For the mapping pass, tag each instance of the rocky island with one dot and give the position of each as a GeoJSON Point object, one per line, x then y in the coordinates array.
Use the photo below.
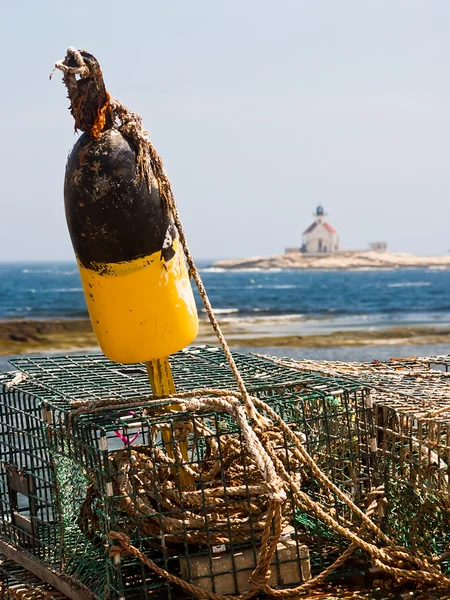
{"type": "Point", "coordinates": [320, 249]}
{"type": "Point", "coordinates": [339, 260]}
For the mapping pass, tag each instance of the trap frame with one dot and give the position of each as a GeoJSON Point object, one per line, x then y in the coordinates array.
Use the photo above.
{"type": "Point", "coordinates": [82, 451]}
{"type": "Point", "coordinates": [16, 583]}
{"type": "Point", "coordinates": [411, 414]}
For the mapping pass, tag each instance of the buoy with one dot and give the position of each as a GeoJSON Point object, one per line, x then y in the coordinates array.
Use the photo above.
{"type": "Point", "coordinates": [132, 268]}
{"type": "Point", "coordinates": [131, 264]}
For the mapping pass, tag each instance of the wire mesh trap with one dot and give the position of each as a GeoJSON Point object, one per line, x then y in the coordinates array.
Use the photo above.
{"type": "Point", "coordinates": [411, 400]}
{"type": "Point", "coordinates": [196, 505]}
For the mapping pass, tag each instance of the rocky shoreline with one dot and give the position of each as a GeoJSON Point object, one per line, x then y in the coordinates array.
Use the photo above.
{"type": "Point", "coordinates": [32, 337]}
{"type": "Point", "coordinates": [340, 260]}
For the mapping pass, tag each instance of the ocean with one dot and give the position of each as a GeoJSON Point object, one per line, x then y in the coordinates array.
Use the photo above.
{"type": "Point", "coordinates": [280, 302]}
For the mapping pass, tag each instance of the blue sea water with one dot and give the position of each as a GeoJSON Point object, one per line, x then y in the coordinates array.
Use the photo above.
{"type": "Point", "coordinates": [267, 302]}
{"type": "Point", "coordinates": [419, 296]}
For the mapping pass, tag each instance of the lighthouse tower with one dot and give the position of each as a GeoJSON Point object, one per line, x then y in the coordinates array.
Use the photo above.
{"type": "Point", "coordinates": [320, 237]}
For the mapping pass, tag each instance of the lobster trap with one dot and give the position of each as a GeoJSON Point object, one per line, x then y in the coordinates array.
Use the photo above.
{"type": "Point", "coordinates": [411, 414]}
{"type": "Point", "coordinates": [87, 452]}
{"type": "Point", "coordinates": [413, 434]}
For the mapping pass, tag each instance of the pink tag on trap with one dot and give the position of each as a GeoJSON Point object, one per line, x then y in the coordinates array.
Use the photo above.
{"type": "Point", "coordinates": [125, 438]}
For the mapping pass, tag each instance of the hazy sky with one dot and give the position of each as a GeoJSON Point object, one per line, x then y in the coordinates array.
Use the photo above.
{"type": "Point", "coordinates": [260, 110]}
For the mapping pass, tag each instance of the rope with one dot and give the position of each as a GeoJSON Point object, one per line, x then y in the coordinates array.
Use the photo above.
{"type": "Point", "coordinates": [423, 569]}
{"type": "Point", "coordinates": [258, 432]}
{"type": "Point", "coordinates": [258, 580]}
{"type": "Point", "coordinates": [81, 69]}
{"type": "Point", "coordinates": [149, 161]}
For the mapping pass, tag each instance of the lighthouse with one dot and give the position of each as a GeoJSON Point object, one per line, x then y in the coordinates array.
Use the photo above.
{"type": "Point", "coordinates": [320, 237]}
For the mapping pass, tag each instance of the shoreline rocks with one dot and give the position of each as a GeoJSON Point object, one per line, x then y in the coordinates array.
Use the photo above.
{"type": "Point", "coordinates": [340, 260]}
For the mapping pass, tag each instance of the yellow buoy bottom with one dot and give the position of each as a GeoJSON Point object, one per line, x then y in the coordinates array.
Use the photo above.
{"type": "Point", "coordinates": [142, 309]}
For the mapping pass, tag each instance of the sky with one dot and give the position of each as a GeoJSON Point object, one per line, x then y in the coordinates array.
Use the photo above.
{"type": "Point", "coordinates": [259, 109]}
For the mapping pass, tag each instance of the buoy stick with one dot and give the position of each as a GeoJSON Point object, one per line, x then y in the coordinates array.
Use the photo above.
{"type": "Point", "coordinates": [161, 381]}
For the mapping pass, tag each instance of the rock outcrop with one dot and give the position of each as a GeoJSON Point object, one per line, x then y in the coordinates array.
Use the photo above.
{"type": "Point", "coordinates": [340, 260]}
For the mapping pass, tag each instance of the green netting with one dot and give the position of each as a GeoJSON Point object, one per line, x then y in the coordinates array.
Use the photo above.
{"type": "Point", "coordinates": [418, 519]}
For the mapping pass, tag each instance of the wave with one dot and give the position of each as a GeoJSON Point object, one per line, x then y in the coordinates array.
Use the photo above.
{"type": "Point", "coordinates": [55, 290]}
{"type": "Point", "coordinates": [224, 311]}
{"type": "Point", "coordinates": [64, 290]}
{"type": "Point", "coordinates": [409, 284]}
{"type": "Point", "coordinates": [264, 319]}
{"type": "Point", "coordinates": [213, 270]}
{"type": "Point", "coordinates": [281, 286]}
{"type": "Point", "coordinates": [243, 270]}
{"type": "Point", "coordinates": [377, 269]}
{"type": "Point", "coordinates": [49, 271]}
{"type": "Point", "coordinates": [241, 313]}
{"type": "Point", "coordinates": [259, 270]}
{"type": "Point", "coordinates": [308, 313]}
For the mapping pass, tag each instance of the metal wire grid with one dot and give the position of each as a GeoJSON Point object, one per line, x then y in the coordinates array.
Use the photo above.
{"type": "Point", "coordinates": [337, 431]}
{"type": "Point", "coordinates": [407, 394]}
{"type": "Point", "coordinates": [436, 361]}
{"type": "Point", "coordinates": [23, 449]}
{"type": "Point", "coordinates": [391, 449]}
{"type": "Point", "coordinates": [41, 492]}
{"type": "Point", "coordinates": [323, 543]}
{"type": "Point", "coordinates": [412, 386]}
{"type": "Point", "coordinates": [16, 583]}
{"type": "Point", "coordinates": [413, 461]}
{"type": "Point", "coordinates": [413, 443]}
{"type": "Point", "coordinates": [181, 546]}
{"type": "Point", "coordinates": [327, 409]}
{"type": "Point", "coordinates": [62, 379]}
{"type": "Point", "coordinates": [414, 464]}
{"type": "Point", "coordinates": [419, 448]}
